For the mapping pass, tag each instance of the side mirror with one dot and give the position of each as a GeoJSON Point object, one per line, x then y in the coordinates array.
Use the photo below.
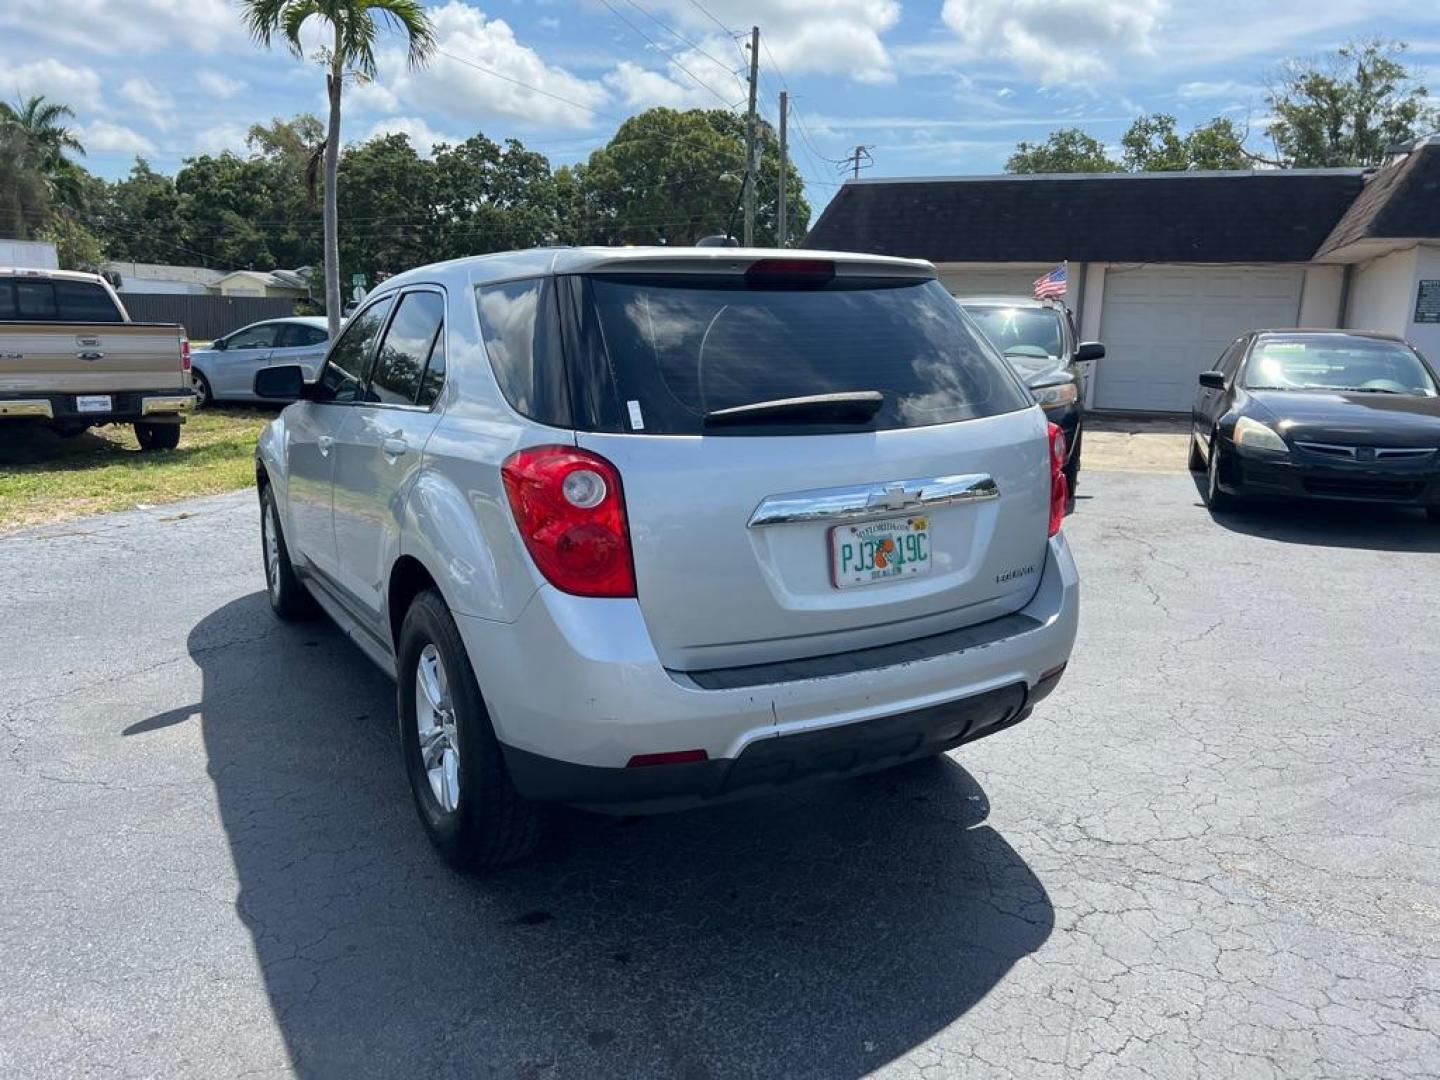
{"type": "Point", "coordinates": [1212, 380]}
{"type": "Point", "coordinates": [283, 383]}
{"type": "Point", "coordinates": [1089, 351]}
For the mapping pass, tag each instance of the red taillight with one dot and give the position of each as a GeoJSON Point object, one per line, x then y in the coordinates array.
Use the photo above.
{"type": "Point", "coordinates": [1059, 486]}
{"type": "Point", "coordinates": [184, 354]}
{"type": "Point", "coordinates": [671, 757]}
{"type": "Point", "coordinates": [571, 514]}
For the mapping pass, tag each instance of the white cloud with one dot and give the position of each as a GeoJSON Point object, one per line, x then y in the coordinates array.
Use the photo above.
{"type": "Point", "coordinates": [218, 85]}
{"type": "Point", "coordinates": [1055, 40]}
{"type": "Point", "coordinates": [461, 81]}
{"type": "Point", "coordinates": [76, 86]}
{"type": "Point", "coordinates": [102, 136]}
{"type": "Point", "coordinates": [221, 137]}
{"type": "Point", "coordinates": [422, 136]}
{"type": "Point", "coordinates": [691, 80]}
{"type": "Point", "coordinates": [1215, 91]}
{"type": "Point", "coordinates": [156, 105]}
{"type": "Point", "coordinates": [134, 26]}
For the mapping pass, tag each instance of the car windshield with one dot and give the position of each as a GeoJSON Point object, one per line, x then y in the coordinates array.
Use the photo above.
{"type": "Point", "coordinates": [1020, 331]}
{"type": "Point", "coordinates": [681, 348]}
{"type": "Point", "coordinates": [1336, 362]}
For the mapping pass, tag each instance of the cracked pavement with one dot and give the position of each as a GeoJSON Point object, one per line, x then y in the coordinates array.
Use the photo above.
{"type": "Point", "coordinates": [1214, 851]}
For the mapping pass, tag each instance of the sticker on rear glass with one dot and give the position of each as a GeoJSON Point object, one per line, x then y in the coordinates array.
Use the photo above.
{"type": "Point", "coordinates": [637, 421]}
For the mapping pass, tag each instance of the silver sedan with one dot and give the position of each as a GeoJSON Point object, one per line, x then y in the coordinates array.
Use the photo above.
{"type": "Point", "coordinates": [226, 370]}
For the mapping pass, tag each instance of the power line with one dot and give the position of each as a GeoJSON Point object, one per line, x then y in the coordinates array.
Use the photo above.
{"type": "Point", "coordinates": [669, 56]}
{"type": "Point", "coordinates": [679, 36]}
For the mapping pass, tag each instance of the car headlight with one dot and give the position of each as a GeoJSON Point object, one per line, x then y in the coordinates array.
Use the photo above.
{"type": "Point", "coordinates": [1057, 396]}
{"type": "Point", "coordinates": [1253, 435]}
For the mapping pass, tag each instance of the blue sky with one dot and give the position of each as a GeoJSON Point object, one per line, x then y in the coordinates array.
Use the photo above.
{"type": "Point", "coordinates": [937, 87]}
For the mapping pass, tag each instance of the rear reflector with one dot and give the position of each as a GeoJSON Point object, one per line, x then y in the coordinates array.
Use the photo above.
{"type": "Point", "coordinates": [808, 269]}
{"type": "Point", "coordinates": [672, 757]}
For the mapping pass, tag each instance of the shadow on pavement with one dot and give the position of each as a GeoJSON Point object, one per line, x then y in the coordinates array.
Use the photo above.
{"type": "Point", "coordinates": [821, 933]}
{"type": "Point", "coordinates": [1330, 524]}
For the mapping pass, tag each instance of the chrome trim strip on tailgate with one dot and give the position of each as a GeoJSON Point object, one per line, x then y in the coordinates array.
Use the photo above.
{"type": "Point", "coordinates": [873, 500]}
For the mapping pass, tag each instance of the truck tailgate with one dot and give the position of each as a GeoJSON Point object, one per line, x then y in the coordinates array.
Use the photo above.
{"type": "Point", "coordinates": [80, 358]}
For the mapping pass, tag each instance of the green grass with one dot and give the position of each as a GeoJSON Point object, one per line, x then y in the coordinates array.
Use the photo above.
{"type": "Point", "coordinates": [44, 478]}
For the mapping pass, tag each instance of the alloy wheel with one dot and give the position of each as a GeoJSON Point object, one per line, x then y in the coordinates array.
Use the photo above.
{"type": "Point", "coordinates": [439, 736]}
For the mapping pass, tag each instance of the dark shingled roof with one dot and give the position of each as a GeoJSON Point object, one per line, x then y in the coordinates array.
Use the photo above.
{"type": "Point", "coordinates": [1401, 201]}
{"type": "Point", "coordinates": [1274, 216]}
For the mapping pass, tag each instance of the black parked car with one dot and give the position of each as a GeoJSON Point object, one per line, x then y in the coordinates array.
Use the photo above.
{"type": "Point", "coordinates": [1319, 415]}
{"type": "Point", "coordinates": [1038, 338]}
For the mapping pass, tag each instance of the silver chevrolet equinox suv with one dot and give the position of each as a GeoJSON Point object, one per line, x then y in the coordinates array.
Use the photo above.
{"type": "Point", "coordinates": [642, 529]}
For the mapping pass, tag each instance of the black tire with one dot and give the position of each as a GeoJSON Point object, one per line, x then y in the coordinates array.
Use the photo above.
{"type": "Point", "coordinates": [491, 824]}
{"type": "Point", "coordinates": [201, 385]}
{"type": "Point", "coordinates": [1197, 462]}
{"type": "Point", "coordinates": [158, 436]}
{"type": "Point", "coordinates": [1217, 499]}
{"type": "Point", "coordinates": [289, 598]}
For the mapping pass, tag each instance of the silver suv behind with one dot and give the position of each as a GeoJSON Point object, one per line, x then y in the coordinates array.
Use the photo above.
{"type": "Point", "coordinates": [642, 529]}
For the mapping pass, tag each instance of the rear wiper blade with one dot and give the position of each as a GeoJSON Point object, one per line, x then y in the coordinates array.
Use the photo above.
{"type": "Point", "coordinates": [853, 407]}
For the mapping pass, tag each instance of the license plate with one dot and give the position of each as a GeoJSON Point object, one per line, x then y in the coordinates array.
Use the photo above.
{"type": "Point", "coordinates": [877, 551]}
{"type": "Point", "coordinates": [93, 403]}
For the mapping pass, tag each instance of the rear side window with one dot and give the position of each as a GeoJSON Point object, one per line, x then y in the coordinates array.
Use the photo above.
{"type": "Point", "coordinates": [35, 300]}
{"type": "Point", "coordinates": [298, 335]}
{"type": "Point", "coordinates": [347, 367]}
{"type": "Point", "coordinates": [680, 346]}
{"type": "Point", "coordinates": [7, 300]}
{"type": "Point", "coordinates": [406, 348]}
{"type": "Point", "coordinates": [434, 377]}
{"type": "Point", "coordinates": [519, 321]}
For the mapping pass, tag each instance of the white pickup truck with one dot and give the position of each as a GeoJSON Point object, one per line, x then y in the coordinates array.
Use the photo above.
{"type": "Point", "coordinates": [70, 358]}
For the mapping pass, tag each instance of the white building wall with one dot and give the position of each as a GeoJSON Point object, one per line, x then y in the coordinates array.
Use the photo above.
{"type": "Point", "coordinates": [29, 255]}
{"type": "Point", "coordinates": [1320, 302]}
{"type": "Point", "coordinates": [1382, 293]}
{"type": "Point", "coordinates": [1426, 336]}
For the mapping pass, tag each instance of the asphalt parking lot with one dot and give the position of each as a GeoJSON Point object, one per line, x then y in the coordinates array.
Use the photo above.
{"type": "Point", "coordinates": [1213, 852]}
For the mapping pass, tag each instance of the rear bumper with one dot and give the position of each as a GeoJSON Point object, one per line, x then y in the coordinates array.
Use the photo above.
{"type": "Point", "coordinates": [126, 406]}
{"type": "Point", "coordinates": [1294, 476]}
{"type": "Point", "coordinates": [575, 691]}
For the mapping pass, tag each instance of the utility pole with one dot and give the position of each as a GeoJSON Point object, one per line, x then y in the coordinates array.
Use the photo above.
{"type": "Point", "coordinates": [750, 139]}
{"type": "Point", "coordinates": [781, 233]}
{"type": "Point", "coordinates": [860, 159]}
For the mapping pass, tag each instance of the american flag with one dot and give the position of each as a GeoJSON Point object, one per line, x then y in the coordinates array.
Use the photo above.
{"type": "Point", "coordinates": [1052, 285]}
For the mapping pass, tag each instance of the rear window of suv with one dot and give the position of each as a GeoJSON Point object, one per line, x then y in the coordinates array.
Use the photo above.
{"type": "Point", "coordinates": [677, 347]}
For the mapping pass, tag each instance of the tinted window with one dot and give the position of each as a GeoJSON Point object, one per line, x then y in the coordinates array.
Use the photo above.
{"type": "Point", "coordinates": [679, 347]}
{"type": "Point", "coordinates": [519, 321]}
{"type": "Point", "coordinates": [254, 337]}
{"type": "Point", "coordinates": [7, 300]}
{"type": "Point", "coordinates": [1230, 358]}
{"type": "Point", "coordinates": [406, 347]}
{"type": "Point", "coordinates": [1020, 331]}
{"type": "Point", "coordinates": [298, 335]}
{"type": "Point", "coordinates": [348, 363]}
{"type": "Point", "coordinates": [82, 301]}
{"type": "Point", "coordinates": [35, 300]}
{"type": "Point", "coordinates": [1336, 362]}
{"type": "Point", "coordinates": [434, 377]}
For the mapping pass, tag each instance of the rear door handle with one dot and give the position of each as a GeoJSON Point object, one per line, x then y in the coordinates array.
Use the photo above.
{"type": "Point", "coordinates": [394, 446]}
{"type": "Point", "coordinates": [325, 442]}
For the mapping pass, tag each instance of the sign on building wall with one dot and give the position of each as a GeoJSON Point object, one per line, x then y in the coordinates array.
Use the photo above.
{"type": "Point", "coordinates": [1427, 302]}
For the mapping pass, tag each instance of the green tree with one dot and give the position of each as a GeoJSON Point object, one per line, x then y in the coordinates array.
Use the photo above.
{"type": "Point", "coordinates": [138, 218]}
{"type": "Point", "coordinates": [1348, 108]}
{"type": "Point", "coordinates": [42, 123]}
{"type": "Point", "coordinates": [77, 247]}
{"type": "Point", "coordinates": [493, 198]}
{"type": "Point", "coordinates": [1068, 150]}
{"type": "Point", "coordinates": [24, 194]}
{"type": "Point", "coordinates": [670, 177]}
{"type": "Point", "coordinates": [1152, 145]}
{"type": "Point", "coordinates": [386, 189]}
{"type": "Point", "coordinates": [223, 202]}
{"type": "Point", "coordinates": [350, 52]}
{"type": "Point", "coordinates": [290, 153]}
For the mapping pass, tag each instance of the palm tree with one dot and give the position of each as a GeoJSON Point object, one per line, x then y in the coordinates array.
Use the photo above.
{"type": "Point", "coordinates": [39, 123]}
{"type": "Point", "coordinates": [350, 51]}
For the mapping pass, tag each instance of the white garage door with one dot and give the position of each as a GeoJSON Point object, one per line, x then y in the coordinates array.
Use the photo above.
{"type": "Point", "coordinates": [1017, 279]}
{"type": "Point", "coordinates": [1162, 326]}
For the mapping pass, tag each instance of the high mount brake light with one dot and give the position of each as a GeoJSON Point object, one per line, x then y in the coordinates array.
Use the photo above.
{"type": "Point", "coordinates": [1059, 486]}
{"type": "Point", "coordinates": [570, 512]}
{"type": "Point", "coordinates": [782, 269]}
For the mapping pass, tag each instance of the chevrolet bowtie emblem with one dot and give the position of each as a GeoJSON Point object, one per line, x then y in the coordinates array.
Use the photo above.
{"type": "Point", "coordinates": [894, 497]}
